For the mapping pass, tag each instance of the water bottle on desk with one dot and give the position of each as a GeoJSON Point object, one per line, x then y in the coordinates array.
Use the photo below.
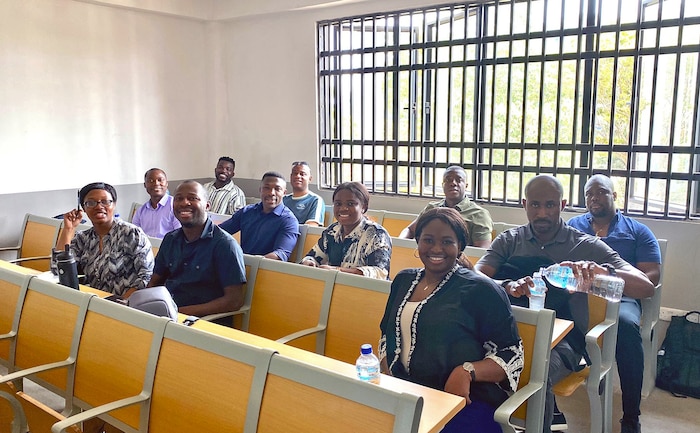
{"type": "Point", "coordinates": [67, 268]}
{"type": "Point", "coordinates": [367, 365]}
{"type": "Point", "coordinates": [538, 292]}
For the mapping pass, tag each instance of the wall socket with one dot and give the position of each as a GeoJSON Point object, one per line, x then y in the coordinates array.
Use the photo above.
{"type": "Point", "coordinates": [666, 313]}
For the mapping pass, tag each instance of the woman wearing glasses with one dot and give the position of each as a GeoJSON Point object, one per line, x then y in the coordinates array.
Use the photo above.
{"type": "Point", "coordinates": [114, 255]}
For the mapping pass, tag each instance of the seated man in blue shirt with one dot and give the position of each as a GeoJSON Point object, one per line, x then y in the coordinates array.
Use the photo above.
{"type": "Point", "coordinates": [637, 245]}
{"type": "Point", "coordinates": [200, 264]}
{"type": "Point", "coordinates": [268, 228]}
{"type": "Point", "coordinates": [307, 206]}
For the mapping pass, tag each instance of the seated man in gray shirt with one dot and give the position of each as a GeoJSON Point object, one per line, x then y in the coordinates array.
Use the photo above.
{"type": "Point", "coordinates": [516, 253]}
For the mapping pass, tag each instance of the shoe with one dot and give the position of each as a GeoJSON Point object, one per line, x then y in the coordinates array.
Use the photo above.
{"type": "Point", "coordinates": [559, 422]}
{"type": "Point", "coordinates": [630, 426]}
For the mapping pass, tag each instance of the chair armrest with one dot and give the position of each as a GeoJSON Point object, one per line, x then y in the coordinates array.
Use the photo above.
{"type": "Point", "coordinates": [512, 403]}
{"type": "Point", "coordinates": [9, 248]}
{"type": "Point", "coordinates": [10, 334]}
{"type": "Point", "coordinates": [27, 259]}
{"type": "Point", "coordinates": [598, 330]}
{"type": "Point", "coordinates": [210, 317]}
{"type": "Point", "coordinates": [61, 426]}
{"type": "Point", "coordinates": [19, 423]}
{"type": "Point", "coordinates": [650, 312]}
{"type": "Point", "coordinates": [302, 333]}
{"type": "Point", "coordinates": [33, 370]}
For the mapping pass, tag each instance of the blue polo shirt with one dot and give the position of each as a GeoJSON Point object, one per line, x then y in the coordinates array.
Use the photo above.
{"type": "Point", "coordinates": [197, 272]}
{"type": "Point", "coordinates": [632, 240]}
{"type": "Point", "coordinates": [264, 233]}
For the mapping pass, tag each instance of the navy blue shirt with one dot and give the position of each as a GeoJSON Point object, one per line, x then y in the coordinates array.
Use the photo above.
{"type": "Point", "coordinates": [197, 272]}
{"type": "Point", "coordinates": [632, 240]}
{"type": "Point", "coordinates": [264, 233]}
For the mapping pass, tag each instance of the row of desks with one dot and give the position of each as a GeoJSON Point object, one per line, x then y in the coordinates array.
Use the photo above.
{"type": "Point", "coordinates": [438, 406]}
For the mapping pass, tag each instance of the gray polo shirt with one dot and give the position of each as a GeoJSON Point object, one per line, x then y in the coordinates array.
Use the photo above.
{"type": "Point", "coordinates": [516, 253]}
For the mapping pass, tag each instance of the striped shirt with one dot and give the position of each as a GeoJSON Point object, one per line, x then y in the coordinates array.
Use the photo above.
{"type": "Point", "coordinates": [225, 200]}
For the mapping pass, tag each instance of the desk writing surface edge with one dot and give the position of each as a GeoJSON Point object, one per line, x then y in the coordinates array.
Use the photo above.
{"type": "Point", "coordinates": [438, 406]}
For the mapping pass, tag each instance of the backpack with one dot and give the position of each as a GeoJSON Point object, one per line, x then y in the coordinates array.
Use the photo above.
{"type": "Point", "coordinates": [678, 360]}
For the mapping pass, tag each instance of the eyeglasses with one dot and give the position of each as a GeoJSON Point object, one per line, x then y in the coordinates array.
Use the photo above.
{"type": "Point", "coordinates": [92, 203]}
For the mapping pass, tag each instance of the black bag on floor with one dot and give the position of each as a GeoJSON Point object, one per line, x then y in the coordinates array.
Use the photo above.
{"type": "Point", "coordinates": [678, 361]}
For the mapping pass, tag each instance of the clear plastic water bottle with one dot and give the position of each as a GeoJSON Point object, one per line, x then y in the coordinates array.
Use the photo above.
{"type": "Point", "coordinates": [537, 293]}
{"type": "Point", "coordinates": [367, 365]}
{"type": "Point", "coordinates": [608, 287]}
{"type": "Point", "coordinates": [563, 277]}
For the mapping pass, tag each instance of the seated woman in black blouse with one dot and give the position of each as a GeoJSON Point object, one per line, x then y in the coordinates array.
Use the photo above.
{"type": "Point", "coordinates": [450, 328]}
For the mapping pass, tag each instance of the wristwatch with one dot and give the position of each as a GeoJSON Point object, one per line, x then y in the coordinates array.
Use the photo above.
{"type": "Point", "coordinates": [468, 366]}
{"type": "Point", "coordinates": [610, 268]}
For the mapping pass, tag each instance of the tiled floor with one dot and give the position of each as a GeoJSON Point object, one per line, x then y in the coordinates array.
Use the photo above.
{"type": "Point", "coordinates": [661, 412]}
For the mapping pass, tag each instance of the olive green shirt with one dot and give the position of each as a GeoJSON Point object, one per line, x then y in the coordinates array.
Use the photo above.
{"type": "Point", "coordinates": [478, 219]}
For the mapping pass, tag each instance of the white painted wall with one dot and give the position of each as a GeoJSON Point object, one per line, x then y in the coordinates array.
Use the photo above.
{"type": "Point", "coordinates": [92, 92]}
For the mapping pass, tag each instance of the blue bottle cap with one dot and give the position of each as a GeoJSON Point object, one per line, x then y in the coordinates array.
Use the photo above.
{"type": "Point", "coordinates": [366, 349]}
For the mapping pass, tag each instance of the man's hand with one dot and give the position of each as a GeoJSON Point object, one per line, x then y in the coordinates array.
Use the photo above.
{"type": "Point", "coordinates": [519, 287]}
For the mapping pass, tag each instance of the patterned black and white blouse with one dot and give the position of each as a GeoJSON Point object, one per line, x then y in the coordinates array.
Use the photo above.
{"type": "Point", "coordinates": [367, 248]}
{"type": "Point", "coordinates": [125, 262]}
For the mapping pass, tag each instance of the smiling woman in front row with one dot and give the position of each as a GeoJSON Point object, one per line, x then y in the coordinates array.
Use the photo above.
{"type": "Point", "coordinates": [353, 244]}
{"type": "Point", "coordinates": [450, 328]}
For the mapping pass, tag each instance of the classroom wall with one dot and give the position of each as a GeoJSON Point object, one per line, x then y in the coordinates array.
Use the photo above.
{"type": "Point", "coordinates": [103, 90]}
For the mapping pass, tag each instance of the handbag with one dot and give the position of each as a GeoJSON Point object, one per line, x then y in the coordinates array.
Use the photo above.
{"type": "Point", "coordinates": [155, 300]}
{"type": "Point", "coordinates": [678, 359]}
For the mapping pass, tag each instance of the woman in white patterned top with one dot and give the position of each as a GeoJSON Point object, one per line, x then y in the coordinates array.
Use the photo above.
{"type": "Point", "coordinates": [353, 244]}
{"type": "Point", "coordinates": [114, 255]}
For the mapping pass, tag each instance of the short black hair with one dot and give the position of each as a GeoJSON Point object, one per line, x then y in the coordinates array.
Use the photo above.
{"type": "Point", "coordinates": [145, 175]}
{"type": "Point", "coordinates": [228, 159]}
{"type": "Point", "coordinates": [273, 174]}
{"type": "Point", "coordinates": [96, 185]}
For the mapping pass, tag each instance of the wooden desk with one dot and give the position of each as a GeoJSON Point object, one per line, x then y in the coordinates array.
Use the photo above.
{"type": "Point", "coordinates": [561, 328]}
{"type": "Point", "coordinates": [438, 407]}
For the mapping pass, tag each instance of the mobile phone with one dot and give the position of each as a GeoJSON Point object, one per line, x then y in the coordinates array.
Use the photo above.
{"type": "Point", "coordinates": [79, 204]}
{"type": "Point", "coordinates": [189, 320]}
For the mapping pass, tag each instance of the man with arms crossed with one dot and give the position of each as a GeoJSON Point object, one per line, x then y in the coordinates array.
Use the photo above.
{"type": "Point", "coordinates": [637, 245]}
{"type": "Point", "coordinates": [516, 253]}
{"type": "Point", "coordinates": [268, 228]}
{"type": "Point", "coordinates": [200, 264]}
{"type": "Point", "coordinates": [307, 206]}
{"type": "Point", "coordinates": [224, 196]}
{"type": "Point", "coordinates": [478, 219]}
{"type": "Point", "coordinates": [156, 216]}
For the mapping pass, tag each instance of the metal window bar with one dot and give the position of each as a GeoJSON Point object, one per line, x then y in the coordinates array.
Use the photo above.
{"type": "Point", "coordinates": [582, 143]}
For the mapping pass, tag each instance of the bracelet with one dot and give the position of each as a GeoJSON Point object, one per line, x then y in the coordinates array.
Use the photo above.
{"type": "Point", "coordinates": [505, 283]}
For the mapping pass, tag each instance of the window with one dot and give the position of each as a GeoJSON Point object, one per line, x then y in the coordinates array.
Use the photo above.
{"type": "Point", "coordinates": [511, 89]}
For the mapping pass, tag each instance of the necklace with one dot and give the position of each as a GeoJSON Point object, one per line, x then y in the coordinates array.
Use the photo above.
{"type": "Point", "coordinates": [603, 229]}
{"type": "Point", "coordinates": [430, 284]}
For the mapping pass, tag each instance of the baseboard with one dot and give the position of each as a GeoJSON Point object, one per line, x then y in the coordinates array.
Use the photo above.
{"type": "Point", "coordinates": [666, 313]}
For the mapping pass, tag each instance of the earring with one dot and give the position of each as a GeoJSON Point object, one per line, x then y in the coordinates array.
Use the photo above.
{"type": "Point", "coordinates": [415, 253]}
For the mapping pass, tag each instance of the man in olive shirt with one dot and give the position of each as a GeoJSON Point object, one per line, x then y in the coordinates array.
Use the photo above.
{"type": "Point", "coordinates": [478, 219]}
